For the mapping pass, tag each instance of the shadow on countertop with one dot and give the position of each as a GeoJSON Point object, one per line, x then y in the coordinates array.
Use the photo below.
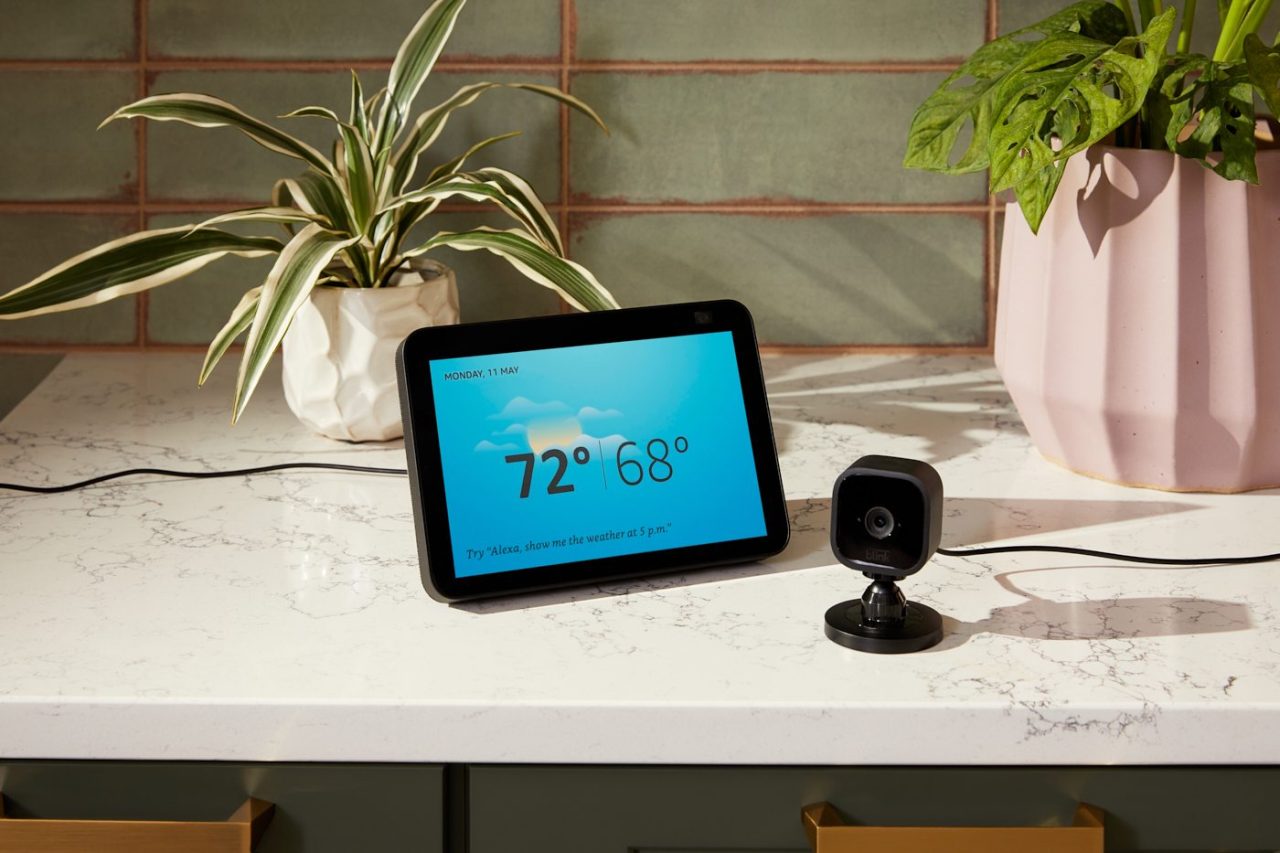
{"type": "Point", "coordinates": [20, 373]}
{"type": "Point", "coordinates": [1117, 618]}
{"type": "Point", "coordinates": [970, 521]}
{"type": "Point", "coordinates": [925, 410]}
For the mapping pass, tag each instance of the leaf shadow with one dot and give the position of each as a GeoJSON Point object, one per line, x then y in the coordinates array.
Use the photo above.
{"type": "Point", "coordinates": [1117, 192]}
{"type": "Point", "coordinates": [912, 408]}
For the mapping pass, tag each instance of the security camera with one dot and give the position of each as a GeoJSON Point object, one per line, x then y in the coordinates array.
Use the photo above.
{"type": "Point", "coordinates": [886, 515]}
{"type": "Point", "coordinates": [886, 522]}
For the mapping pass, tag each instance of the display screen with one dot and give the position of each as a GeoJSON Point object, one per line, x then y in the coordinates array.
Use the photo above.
{"type": "Point", "coordinates": [560, 455]}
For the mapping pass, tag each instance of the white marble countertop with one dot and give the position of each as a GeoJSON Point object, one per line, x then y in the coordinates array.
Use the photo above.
{"type": "Point", "coordinates": [280, 617]}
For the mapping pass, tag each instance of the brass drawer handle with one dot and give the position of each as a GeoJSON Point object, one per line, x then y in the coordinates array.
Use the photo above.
{"type": "Point", "coordinates": [237, 834]}
{"type": "Point", "coordinates": [828, 833]}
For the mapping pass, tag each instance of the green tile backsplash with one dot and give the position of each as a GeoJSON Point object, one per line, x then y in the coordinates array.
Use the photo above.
{"type": "Point", "coordinates": [755, 151]}
{"type": "Point", "coordinates": [49, 147]}
{"type": "Point", "coordinates": [824, 279]}
{"type": "Point", "coordinates": [778, 136]}
{"type": "Point", "coordinates": [819, 30]}
{"type": "Point", "coordinates": [372, 29]}
{"type": "Point", "coordinates": [104, 29]}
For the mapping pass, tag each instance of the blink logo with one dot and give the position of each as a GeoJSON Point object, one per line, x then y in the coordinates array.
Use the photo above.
{"type": "Point", "coordinates": [877, 555]}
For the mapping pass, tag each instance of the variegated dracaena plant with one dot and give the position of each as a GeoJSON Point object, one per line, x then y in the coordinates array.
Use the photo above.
{"type": "Point", "coordinates": [348, 217]}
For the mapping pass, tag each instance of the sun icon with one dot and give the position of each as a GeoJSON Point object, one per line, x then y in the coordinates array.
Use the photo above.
{"type": "Point", "coordinates": [553, 432]}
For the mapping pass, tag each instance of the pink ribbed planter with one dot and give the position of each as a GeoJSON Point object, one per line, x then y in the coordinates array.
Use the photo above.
{"type": "Point", "coordinates": [1139, 333]}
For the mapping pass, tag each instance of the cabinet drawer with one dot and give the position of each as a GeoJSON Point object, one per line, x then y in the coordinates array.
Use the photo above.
{"type": "Point", "coordinates": [757, 809]}
{"type": "Point", "coordinates": [319, 808]}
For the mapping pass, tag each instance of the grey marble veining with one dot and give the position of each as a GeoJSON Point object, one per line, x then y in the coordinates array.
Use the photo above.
{"type": "Point", "coordinates": [280, 617]}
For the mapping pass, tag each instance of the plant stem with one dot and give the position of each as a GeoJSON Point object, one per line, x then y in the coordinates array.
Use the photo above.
{"type": "Point", "coordinates": [1188, 21]}
{"type": "Point", "coordinates": [1235, 16]}
{"type": "Point", "coordinates": [1146, 11]}
{"type": "Point", "coordinates": [1128, 16]}
{"type": "Point", "coordinates": [1252, 21]}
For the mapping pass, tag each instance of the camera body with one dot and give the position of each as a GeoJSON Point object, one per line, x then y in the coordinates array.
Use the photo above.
{"type": "Point", "coordinates": [886, 516]}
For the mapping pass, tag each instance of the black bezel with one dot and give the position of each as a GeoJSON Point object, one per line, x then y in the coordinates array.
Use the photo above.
{"type": "Point", "coordinates": [422, 445]}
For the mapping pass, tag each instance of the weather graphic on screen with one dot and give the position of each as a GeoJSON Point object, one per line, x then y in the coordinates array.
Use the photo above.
{"type": "Point", "coordinates": [560, 455]}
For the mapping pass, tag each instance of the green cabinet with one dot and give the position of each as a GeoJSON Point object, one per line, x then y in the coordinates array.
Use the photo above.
{"type": "Point", "coordinates": [757, 809]}
{"type": "Point", "coordinates": [389, 808]}
{"type": "Point", "coordinates": [320, 808]}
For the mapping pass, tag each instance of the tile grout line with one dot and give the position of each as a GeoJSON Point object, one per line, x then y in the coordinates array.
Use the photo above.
{"type": "Point", "coordinates": [584, 66]}
{"type": "Point", "coordinates": [611, 207]}
{"type": "Point", "coordinates": [142, 334]}
{"type": "Point", "coordinates": [566, 56]}
{"type": "Point", "coordinates": [778, 208]}
{"type": "Point", "coordinates": [765, 348]}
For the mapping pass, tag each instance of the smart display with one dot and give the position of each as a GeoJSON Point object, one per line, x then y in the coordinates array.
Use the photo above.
{"type": "Point", "coordinates": [580, 448]}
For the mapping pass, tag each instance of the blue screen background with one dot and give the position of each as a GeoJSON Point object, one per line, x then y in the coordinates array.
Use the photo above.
{"type": "Point", "coordinates": [594, 397]}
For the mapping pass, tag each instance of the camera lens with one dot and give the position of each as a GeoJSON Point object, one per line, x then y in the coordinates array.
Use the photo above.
{"type": "Point", "coordinates": [879, 522]}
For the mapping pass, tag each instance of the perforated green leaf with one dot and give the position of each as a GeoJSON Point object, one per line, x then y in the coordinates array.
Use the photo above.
{"type": "Point", "coordinates": [1067, 93]}
{"type": "Point", "coordinates": [968, 97]}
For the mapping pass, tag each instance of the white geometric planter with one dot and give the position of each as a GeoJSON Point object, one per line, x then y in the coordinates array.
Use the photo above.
{"type": "Point", "coordinates": [339, 351]}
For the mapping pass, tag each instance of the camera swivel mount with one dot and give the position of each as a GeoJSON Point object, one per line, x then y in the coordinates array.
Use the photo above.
{"type": "Point", "coordinates": [883, 621]}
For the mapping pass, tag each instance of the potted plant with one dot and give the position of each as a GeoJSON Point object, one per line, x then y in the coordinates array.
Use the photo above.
{"type": "Point", "coordinates": [1138, 331]}
{"type": "Point", "coordinates": [347, 285]}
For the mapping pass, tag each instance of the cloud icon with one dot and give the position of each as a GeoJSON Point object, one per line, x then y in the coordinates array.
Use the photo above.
{"type": "Point", "coordinates": [591, 413]}
{"type": "Point", "coordinates": [513, 429]}
{"type": "Point", "coordinates": [608, 441]}
{"type": "Point", "coordinates": [487, 446]}
{"type": "Point", "coordinates": [523, 407]}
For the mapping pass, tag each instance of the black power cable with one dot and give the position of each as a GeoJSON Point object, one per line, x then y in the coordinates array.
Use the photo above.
{"type": "Point", "coordinates": [1110, 555]}
{"type": "Point", "coordinates": [200, 475]}
{"type": "Point", "coordinates": [366, 469]}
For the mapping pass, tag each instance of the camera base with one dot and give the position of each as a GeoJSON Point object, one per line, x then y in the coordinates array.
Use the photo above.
{"type": "Point", "coordinates": [921, 629]}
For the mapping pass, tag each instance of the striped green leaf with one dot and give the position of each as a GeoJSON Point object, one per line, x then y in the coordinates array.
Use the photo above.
{"type": "Point", "coordinates": [572, 281]}
{"type": "Point", "coordinates": [128, 265]}
{"type": "Point", "coordinates": [208, 111]}
{"type": "Point", "coordinates": [427, 127]}
{"type": "Point", "coordinates": [321, 195]}
{"type": "Point", "coordinates": [241, 318]}
{"type": "Point", "coordinates": [355, 166]}
{"type": "Point", "coordinates": [451, 166]}
{"type": "Point", "coordinates": [290, 282]}
{"type": "Point", "coordinates": [414, 60]}
{"type": "Point", "coordinates": [521, 193]}
{"type": "Point", "coordinates": [357, 115]}
{"type": "Point", "coordinates": [313, 112]}
{"type": "Point", "coordinates": [260, 214]}
{"type": "Point", "coordinates": [371, 103]}
{"type": "Point", "coordinates": [514, 196]}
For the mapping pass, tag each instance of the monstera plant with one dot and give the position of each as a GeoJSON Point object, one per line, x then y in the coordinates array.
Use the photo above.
{"type": "Point", "coordinates": [1024, 103]}
{"type": "Point", "coordinates": [348, 217]}
{"type": "Point", "coordinates": [1135, 322]}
